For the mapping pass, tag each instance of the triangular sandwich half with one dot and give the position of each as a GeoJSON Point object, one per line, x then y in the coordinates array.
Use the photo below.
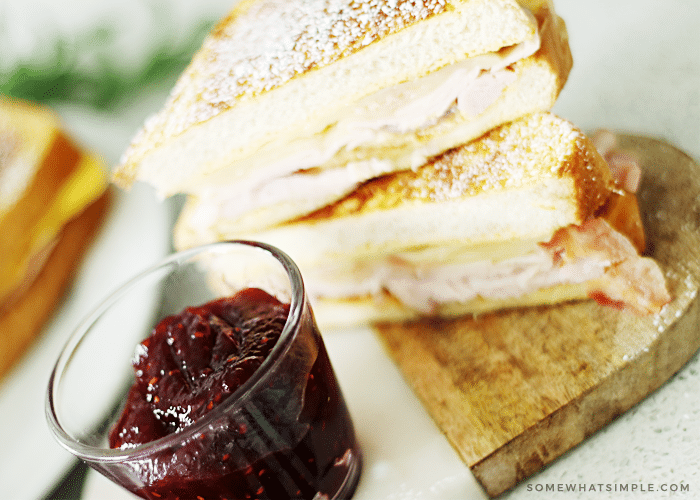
{"type": "Point", "coordinates": [527, 214]}
{"type": "Point", "coordinates": [288, 106]}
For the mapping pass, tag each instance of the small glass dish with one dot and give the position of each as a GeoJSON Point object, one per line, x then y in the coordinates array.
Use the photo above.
{"type": "Point", "coordinates": [284, 433]}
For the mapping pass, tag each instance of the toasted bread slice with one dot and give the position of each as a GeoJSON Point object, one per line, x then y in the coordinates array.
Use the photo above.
{"type": "Point", "coordinates": [46, 181]}
{"type": "Point", "coordinates": [275, 74]}
{"type": "Point", "coordinates": [521, 181]}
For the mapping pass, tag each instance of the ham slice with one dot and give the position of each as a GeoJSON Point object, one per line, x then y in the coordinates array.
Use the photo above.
{"type": "Point", "coordinates": [595, 254]}
{"type": "Point", "coordinates": [630, 281]}
{"type": "Point", "coordinates": [624, 166]}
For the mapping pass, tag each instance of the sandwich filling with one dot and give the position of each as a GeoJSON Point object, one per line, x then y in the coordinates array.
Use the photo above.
{"type": "Point", "coordinates": [293, 177]}
{"type": "Point", "coordinates": [593, 255]}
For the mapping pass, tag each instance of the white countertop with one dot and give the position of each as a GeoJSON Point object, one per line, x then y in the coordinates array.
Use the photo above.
{"type": "Point", "coordinates": [636, 69]}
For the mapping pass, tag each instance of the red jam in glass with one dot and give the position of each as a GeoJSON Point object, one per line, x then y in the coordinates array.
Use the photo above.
{"type": "Point", "coordinates": [266, 450]}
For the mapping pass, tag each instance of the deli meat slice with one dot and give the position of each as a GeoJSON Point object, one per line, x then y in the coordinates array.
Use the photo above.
{"type": "Point", "coordinates": [624, 165]}
{"type": "Point", "coordinates": [630, 281]}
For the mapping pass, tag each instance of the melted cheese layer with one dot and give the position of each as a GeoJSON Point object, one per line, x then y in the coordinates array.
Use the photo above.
{"type": "Point", "coordinates": [593, 254]}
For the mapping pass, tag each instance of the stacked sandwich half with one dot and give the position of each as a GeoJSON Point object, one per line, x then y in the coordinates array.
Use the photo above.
{"type": "Point", "coordinates": [402, 154]}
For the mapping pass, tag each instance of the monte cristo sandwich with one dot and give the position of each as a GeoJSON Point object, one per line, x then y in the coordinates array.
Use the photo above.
{"type": "Point", "coordinates": [527, 214]}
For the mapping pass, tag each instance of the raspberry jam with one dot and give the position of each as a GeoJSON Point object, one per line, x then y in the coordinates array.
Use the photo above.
{"type": "Point", "coordinates": [292, 439]}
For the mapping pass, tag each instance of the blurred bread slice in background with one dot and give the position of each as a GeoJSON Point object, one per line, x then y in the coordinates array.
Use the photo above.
{"type": "Point", "coordinates": [53, 195]}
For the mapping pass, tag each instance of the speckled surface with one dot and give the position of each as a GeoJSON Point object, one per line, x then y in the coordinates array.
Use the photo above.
{"type": "Point", "coordinates": [636, 69]}
{"type": "Point", "coordinates": [654, 445]}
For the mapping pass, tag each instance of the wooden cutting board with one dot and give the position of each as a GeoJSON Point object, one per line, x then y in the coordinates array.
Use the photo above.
{"type": "Point", "coordinates": [513, 391]}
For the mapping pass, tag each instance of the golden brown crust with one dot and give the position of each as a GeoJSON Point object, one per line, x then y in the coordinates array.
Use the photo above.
{"type": "Point", "coordinates": [591, 175]}
{"type": "Point", "coordinates": [22, 322]}
{"type": "Point", "coordinates": [47, 183]}
{"type": "Point", "coordinates": [508, 157]}
{"type": "Point", "coordinates": [538, 80]}
{"type": "Point", "coordinates": [555, 50]}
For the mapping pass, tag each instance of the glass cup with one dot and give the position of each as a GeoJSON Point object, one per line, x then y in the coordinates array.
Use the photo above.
{"type": "Point", "coordinates": [284, 433]}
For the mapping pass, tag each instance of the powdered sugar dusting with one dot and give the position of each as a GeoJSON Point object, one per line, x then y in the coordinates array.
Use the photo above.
{"type": "Point", "coordinates": [267, 43]}
{"type": "Point", "coordinates": [506, 157]}
{"type": "Point", "coordinates": [275, 40]}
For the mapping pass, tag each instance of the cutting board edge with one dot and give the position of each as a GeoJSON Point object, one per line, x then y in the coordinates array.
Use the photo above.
{"type": "Point", "coordinates": [596, 408]}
